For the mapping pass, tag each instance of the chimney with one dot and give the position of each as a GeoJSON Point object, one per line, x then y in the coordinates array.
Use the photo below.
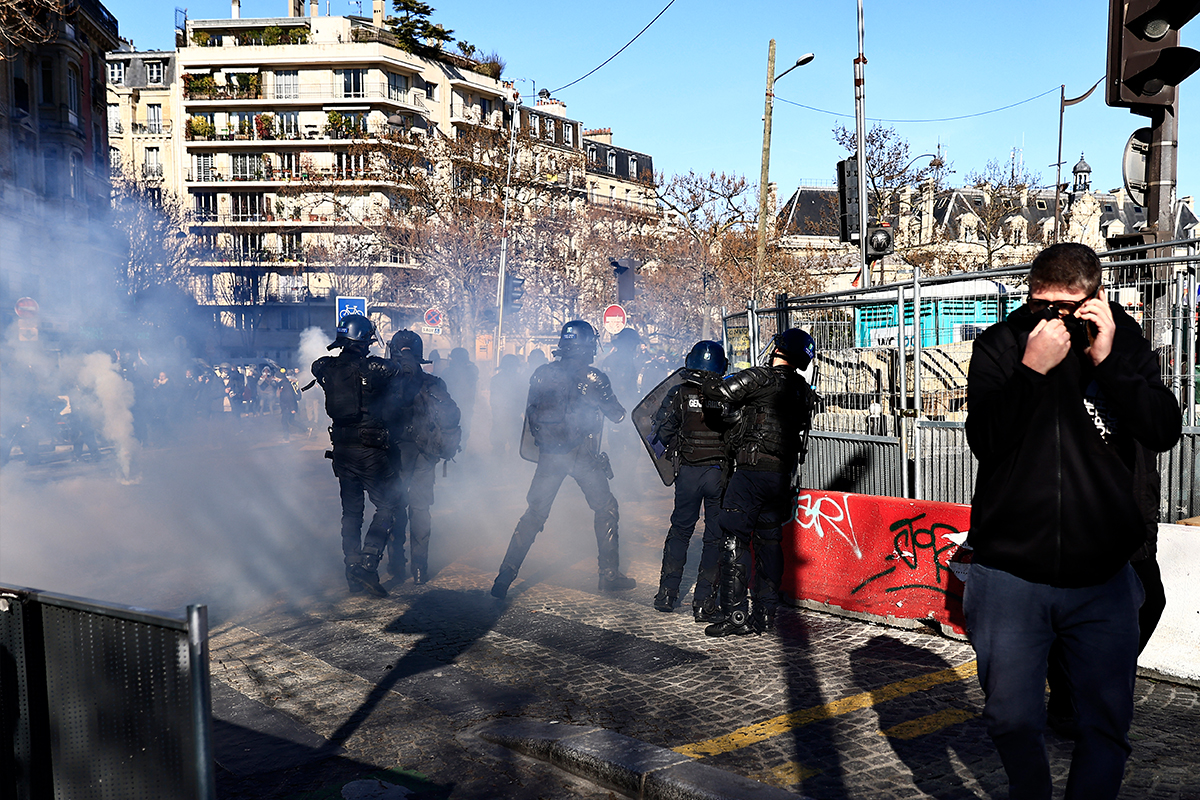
{"type": "Point", "coordinates": [377, 13]}
{"type": "Point", "coordinates": [601, 135]}
{"type": "Point", "coordinates": [236, 11]}
{"type": "Point", "coordinates": [295, 8]}
{"type": "Point", "coordinates": [314, 8]}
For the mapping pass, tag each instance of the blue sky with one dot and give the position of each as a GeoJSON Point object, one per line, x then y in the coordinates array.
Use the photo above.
{"type": "Point", "coordinates": [690, 90]}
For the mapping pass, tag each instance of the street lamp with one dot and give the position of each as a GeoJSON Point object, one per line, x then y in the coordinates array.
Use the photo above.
{"type": "Point", "coordinates": [761, 253]}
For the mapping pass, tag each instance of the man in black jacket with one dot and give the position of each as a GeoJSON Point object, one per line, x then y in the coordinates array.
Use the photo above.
{"type": "Point", "coordinates": [776, 409]}
{"type": "Point", "coordinates": [355, 385]}
{"type": "Point", "coordinates": [1061, 396]}
{"type": "Point", "coordinates": [568, 399]}
{"type": "Point", "coordinates": [691, 428]}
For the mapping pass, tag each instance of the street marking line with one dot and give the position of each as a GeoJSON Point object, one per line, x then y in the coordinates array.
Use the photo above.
{"type": "Point", "coordinates": [788, 774]}
{"type": "Point", "coordinates": [929, 723]}
{"type": "Point", "coordinates": [761, 731]}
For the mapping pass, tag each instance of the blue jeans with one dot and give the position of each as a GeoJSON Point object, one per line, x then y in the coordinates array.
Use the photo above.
{"type": "Point", "coordinates": [1012, 624]}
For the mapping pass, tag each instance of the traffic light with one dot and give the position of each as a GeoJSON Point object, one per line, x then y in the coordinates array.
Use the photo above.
{"type": "Point", "coordinates": [1145, 61]}
{"type": "Point", "coordinates": [880, 241]}
{"type": "Point", "coordinates": [625, 269]}
{"type": "Point", "coordinates": [514, 292]}
{"type": "Point", "coordinates": [847, 178]}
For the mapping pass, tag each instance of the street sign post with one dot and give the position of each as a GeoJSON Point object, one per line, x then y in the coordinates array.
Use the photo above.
{"type": "Point", "coordinates": [614, 319]}
{"type": "Point", "coordinates": [350, 305]}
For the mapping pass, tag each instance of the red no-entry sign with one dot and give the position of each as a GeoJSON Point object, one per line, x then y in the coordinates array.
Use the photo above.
{"type": "Point", "coordinates": [614, 319]}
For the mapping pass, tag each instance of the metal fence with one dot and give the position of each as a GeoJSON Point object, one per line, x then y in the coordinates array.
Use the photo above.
{"type": "Point", "coordinates": [102, 702]}
{"type": "Point", "coordinates": [891, 369]}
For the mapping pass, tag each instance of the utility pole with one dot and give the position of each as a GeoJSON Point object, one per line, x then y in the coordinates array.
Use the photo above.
{"type": "Point", "coordinates": [760, 254]}
{"type": "Point", "coordinates": [860, 122]}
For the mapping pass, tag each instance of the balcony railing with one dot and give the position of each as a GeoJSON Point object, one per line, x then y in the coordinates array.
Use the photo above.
{"type": "Point", "coordinates": [115, 128]}
{"type": "Point", "coordinates": [461, 112]}
{"type": "Point", "coordinates": [153, 128]}
{"type": "Point", "coordinates": [370, 90]}
{"type": "Point", "coordinates": [152, 170]}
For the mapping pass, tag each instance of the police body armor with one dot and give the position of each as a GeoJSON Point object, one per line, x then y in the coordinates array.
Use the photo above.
{"type": "Point", "coordinates": [700, 440]}
{"type": "Point", "coordinates": [355, 388]}
{"type": "Point", "coordinates": [774, 415]}
{"type": "Point", "coordinates": [567, 402]}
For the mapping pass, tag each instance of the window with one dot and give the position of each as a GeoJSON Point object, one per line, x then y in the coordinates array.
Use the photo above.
{"type": "Point", "coordinates": [204, 167]}
{"type": "Point", "coordinates": [431, 91]}
{"type": "Point", "coordinates": [205, 206]}
{"type": "Point", "coordinates": [287, 84]}
{"type": "Point", "coordinates": [354, 82]}
{"type": "Point", "coordinates": [288, 123]}
{"type": "Point", "coordinates": [116, 72]}
{"type": "Point", "coordinates": [535, 126]}
{"type": "Point", "coordinates": [114, 161]}
{"type": "Point", "coordinates": [397, 87]}
{"type": "Point", "coordinates": [592, 155]}
{"type": "Point", "coordinates": [154, 72]}
{"type": "Point", "coordinates": [351, 165]}
{"type": "Point", "coordinates": [633, 167]}
{"type": "Point", "coordinates": [485, 108]}
{"type": "Point", "coordinates": [568, 134]}
{"type": "Point", "coordinates": [47, 82]}
{"type": "Point", "coordinates": [74, 95]}
{"type": "Point", "coordinates": [152, 167]}
{"type": "Point", "coordinates": [289, 165]}
{"type": "Point", "coordinates": [154, 118]}
{"type": "Point", "coordinates": [247, 206]}
{"type": "Point", "coordinates": [114, 118]}
{"type": "Point", "coordinates": [247, 166]}
{"type": "Point", "coordinates": [248, 246]}
{"type": "Point", "coordinates": [612, 163]}
{"type": "Point", "coordinates": [550, 130]}
{"type": "Point", "coordinates": [206, 245]}
{"type": "Point", "coordinates": [77, 186]}
{"type": "Point", "coordinates": [291, 246]}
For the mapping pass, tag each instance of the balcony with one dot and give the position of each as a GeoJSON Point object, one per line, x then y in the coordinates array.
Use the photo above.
{"type": "Point", "coordinates": [152, 128]}
{"type": "Point", "coordinates": [410, 99]}
{"type": "Point", "coordinates": [152, 171]}
{"type": "Point", "coordinates": [461, 113]}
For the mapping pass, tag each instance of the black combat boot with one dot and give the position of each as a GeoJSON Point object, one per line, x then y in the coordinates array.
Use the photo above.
{"type": "Point", "coordinates": [612, 580]}
{"type": "Point", "coordinates": [735, 624]}
{"type": "Point", "coordinates": [420, 571]}
{"type": "Point", "coordinates": [763, 619]}
{"type": "Point", "coordinates": [366, 575]}
{"type": "Point", "coordinates": [665, 600]}
{"type": "Point", "coordinates": [708, 611]}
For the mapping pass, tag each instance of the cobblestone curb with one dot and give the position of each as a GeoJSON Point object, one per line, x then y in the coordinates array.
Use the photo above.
{"type": "Point", "coordinates": [632, 767]}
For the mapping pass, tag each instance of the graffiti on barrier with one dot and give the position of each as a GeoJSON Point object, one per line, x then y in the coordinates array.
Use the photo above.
{"type": "Point", "coordinates": [825, 514]}
{"type": "Point", "coordinates": [908, 543]}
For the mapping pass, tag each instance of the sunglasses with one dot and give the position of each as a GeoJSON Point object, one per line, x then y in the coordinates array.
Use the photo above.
{"type": "Point", "coordinates": [1063, 308]}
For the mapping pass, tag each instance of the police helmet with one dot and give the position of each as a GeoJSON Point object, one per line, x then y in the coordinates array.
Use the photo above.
{"type": "Point", "coordinates": [460, 354]}
{"type": "Point", "coordinates": [510, 362]}
{"type": "Point", "coordinates": [408, 340]}
{"type": "Point", "coordinates": [578, 338]}
{"type": "Point", "coordinates": [708, 356]}
{"type": "Point", "coordinates": [795, 346]}
{"type": "Point", "coordinates": [627, 337]}
{"type": "Point", "coordinates": [354, 329]}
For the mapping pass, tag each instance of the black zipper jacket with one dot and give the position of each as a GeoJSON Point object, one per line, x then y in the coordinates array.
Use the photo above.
{"type": "Point", "coordinates": [1055, 497]}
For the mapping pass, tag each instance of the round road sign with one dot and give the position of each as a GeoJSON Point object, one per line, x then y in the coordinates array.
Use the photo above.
{"type": "Point", "coordinates": [614, 319]}
{"type": "Point", "coordinates": [26, 307]}
{"type": "Point", "coordinates": [434, 317]}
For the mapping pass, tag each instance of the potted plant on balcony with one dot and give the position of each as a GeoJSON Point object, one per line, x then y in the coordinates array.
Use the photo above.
{"type": "Point", "coordinates": [243, 129]}
{"type": "Point", "coordinates": [201, 39]}
{"type": "Point", "coordinates": [272, 34]}
{"type": "Point", "coordinates": [335, 126]}
{"type": "Point", "coordinates": [264, 126]}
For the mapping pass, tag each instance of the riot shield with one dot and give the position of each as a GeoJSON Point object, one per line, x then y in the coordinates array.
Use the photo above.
{"type": "Point", "coordinates": [643, 419]}
{"type": "Point", "coordinates": [529, 449]}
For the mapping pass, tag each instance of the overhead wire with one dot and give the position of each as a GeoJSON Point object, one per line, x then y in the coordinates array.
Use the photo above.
{"type": "Point", "coordinates": [622, 50]}
{"type": "Point", "coordinates": [938, 119]}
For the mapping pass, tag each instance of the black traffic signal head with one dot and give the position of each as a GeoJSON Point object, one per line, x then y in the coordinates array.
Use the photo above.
{"type": "Point", "coordinates": [625, 269]}
{"type": "Point", "coordinates": [514, 292]}
{"type": "Point", "coordinates": [881, 241]}
{"type": "Point", "coordinates": [847, 178]}
{"type": "Point", "coordinates": [1145, 61]}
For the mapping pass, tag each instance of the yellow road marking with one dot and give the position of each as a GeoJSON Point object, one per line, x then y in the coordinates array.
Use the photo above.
{"type": "Point", "coordinates": [788, 774]}
{"type": "Point", "coordinates": [761, 731]}
{"type": "Point", "coordinates": [929, 723]}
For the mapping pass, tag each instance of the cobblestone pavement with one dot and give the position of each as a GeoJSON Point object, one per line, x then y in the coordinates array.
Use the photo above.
{"type": "Point", "coordinates": [319, 694]}
{"type": "Point", "coordinates": [344, 687]}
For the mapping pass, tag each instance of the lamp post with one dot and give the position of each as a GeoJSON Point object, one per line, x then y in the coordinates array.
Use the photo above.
{"type": "Point", "coordinates": [760, 255]}
{"type": "Point", "coordinates": [514, 105]}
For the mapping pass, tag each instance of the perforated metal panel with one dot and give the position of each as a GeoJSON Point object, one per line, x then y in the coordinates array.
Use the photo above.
{"type": "Point", "coordinates": [108, 703]}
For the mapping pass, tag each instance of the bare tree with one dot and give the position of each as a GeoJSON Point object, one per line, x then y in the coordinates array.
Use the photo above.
{"type": "Point", "coordinates": [997, 217]}
{"type": "Point", "coordinates": [151, 229]}
{"type": "Point", "coordinates": [24, 22]}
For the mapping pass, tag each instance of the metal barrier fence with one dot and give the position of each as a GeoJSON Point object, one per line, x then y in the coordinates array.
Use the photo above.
{"type": "Point", "coordinates": [893, 360]}
{"type": "Point", "coordinates": [102, 702]}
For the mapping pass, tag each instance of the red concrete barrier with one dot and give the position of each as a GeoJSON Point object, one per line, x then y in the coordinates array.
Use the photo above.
{"type": "Point", "coordinates": [886, 557]}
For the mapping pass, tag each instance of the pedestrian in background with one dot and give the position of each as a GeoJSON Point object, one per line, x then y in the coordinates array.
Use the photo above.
{"type": "Point", "coordinates": [1062, 397]}
{"type": "Point", "coordinates": [506, 395]}
{"type": "Point", "coordinates": [462, 380]}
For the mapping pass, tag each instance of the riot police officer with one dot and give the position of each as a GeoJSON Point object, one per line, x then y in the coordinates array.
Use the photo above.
{"type": "Point", "coordinates": [775, 407]}
{"type": "Point", "coordinates": [423, 426]}
{"type": "Point", "coordinates": [568, 399]}
{"type": "Point", "coordinates": [690, 427]}
{"type": "Point", "coordinates": [355, 384]}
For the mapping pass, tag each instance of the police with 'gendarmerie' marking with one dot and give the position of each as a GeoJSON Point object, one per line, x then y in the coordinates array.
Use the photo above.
{"type": "Point", "coordinates": [568, 399]}
{"type": "Point", "coordinates": [355, 385]}
{"type": "Point", "coordinates": [776, 410]}
{"type": "Point", "coordinates": [691, 428]}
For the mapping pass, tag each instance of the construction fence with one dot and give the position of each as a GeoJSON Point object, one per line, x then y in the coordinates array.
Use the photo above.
{"type": "Point", "coordinates": [893, 380]}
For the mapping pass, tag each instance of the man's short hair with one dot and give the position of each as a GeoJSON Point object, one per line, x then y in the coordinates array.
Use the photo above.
{"type": "Point", "coordinates": [1067, 265]}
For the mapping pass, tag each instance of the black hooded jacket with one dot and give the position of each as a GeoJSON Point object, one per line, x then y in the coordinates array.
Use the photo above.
{"type": "Point", "coordinates": [1055, 497]}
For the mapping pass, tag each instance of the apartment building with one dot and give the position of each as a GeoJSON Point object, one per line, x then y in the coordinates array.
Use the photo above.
{"type": "Point", "coordinates": [618, 178]}
{"type": "Point", "coordinates": [142, 108]}
{"type": "Point", "coordinates": [54, 166]}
